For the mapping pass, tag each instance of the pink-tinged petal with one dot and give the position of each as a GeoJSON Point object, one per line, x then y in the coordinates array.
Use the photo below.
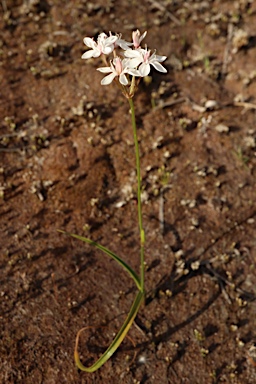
{"type": "Point", "coordinates": [108, 79]}
{"type": "Point", "coordinates": [118, 65]}
{"type": "Point", "coordinates": [89, 42]}
{"type": "Point", "coordinates": [105, 69]}
{"type": "Point", "coordinates": [144, 69]}
{"type": "Point", "coordinates": [142, 36]}
{"type": "Point", "coordinates": [88, 54]}
{"type": "Point", "coordinates": [123, 79]}
{"type": "Point", "coordinates": [146, 56]}
{"type": "Point", "coordinates": [132, 53]}
{"type": "Point", "coordinates": [158, 67]}
{"type": "Point", "coordinates": [136, 38]}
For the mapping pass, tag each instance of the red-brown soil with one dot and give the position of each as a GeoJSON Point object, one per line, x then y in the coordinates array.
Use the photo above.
{"type": "Point", "coordinates": [67, 162]}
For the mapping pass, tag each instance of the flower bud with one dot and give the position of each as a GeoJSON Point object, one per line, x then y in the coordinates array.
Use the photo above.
{"type": "Point", "coordinates": [136, 38]}
{"type": "Point", "coordinates": [118, 65]}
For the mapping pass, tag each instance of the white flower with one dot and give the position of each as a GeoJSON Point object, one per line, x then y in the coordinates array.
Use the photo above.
{"type": "Point", "coordinates": [137, 38]}
{"type": "Point", "coordinates": [118, 68]}
{"type": "Point", "coordinates": [141, 57]}
{"type": "Point", "coordinates": [104, 45]}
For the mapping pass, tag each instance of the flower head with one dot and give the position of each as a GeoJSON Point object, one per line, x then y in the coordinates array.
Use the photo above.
{"type": "Point", "coordinates": [118, 68]}
{"type": "Point", "coordinates": [104, 45]}
{"type": "Point", "coordinates": [142, 59]}
{"type": "Point", "coordinates": [137, 60]}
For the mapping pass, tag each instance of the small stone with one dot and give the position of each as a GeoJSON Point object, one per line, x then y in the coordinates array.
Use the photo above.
{"type": "Point", "coordinates": [168, 293]}
{"type": "Point", "coordinates": [250, 142]}
{"type": "Point", "coordinates": [204, 351]}
{"type": "Point", "coordinates": [211, 104]}
{"type": "Point", "coordinates": [240, 343]}
{"type": "Point", "coordinates": [120, 204]}
{"type": "Point", "coordinates": [158, 142]}
{"type": "Point", "coordinates": [94, 201]}
{"type": "Point", "coordinates": [195, 265]}
{"type": "Point", "coordinates": [144, 196]}
{"type": "Point", "coordinates": [233, 327]}
{"type": "Point", "coordinates": [178, 254]}
{"type": "Point", "coordinates": [192, 204]}
{"type": "Point", "coordinates": [240, 39]}
{"type": "Point", "coordinates": [252, 353]}
{"type": "Point", "coordinates": [222, 128]}
{"type": "Point", "coordinates": [214, 30]}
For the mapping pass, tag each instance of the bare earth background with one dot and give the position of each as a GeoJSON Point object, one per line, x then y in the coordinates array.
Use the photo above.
{"type": "Point", "coordinates": [67, 162]}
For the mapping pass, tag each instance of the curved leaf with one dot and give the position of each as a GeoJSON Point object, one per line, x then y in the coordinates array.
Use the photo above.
{"type": "Point", "coordinates": [117, 340]}
{"type": "Point", "coordinates": [120, 261]}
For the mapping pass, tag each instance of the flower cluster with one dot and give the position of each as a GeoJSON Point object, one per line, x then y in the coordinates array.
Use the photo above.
{"type": "Point", "coordinates": [134, 61]}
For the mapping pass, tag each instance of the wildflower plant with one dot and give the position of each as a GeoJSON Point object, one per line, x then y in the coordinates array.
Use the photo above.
{"type": "Point", "coordinates": [128, 63]}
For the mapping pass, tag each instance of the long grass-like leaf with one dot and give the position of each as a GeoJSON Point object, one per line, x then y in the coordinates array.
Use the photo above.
{"type": "Point", "coordinates": [117, 340]}
{"type": "Point", "coordinates": [128, 269]}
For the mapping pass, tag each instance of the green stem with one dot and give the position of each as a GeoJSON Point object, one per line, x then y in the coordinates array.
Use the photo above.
{"type": "Point", "coordinates": [142, 233]}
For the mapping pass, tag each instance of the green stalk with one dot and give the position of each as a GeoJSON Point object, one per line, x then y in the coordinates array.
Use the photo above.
{"type": "Point", "coordinates": [142, 233]}
{"type": "Point", "coordinates": [139, 281]}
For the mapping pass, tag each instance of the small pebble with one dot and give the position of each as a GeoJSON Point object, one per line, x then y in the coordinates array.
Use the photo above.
{"type": "Point", "coordinates": [222, 128]}
{"type": "Point", "coordinates": [211, 104]}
